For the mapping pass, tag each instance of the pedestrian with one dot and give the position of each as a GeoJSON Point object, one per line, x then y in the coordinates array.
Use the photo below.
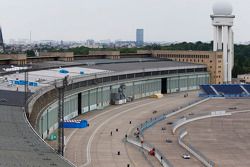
{"type": "Point", "coordinates": [111, 133]}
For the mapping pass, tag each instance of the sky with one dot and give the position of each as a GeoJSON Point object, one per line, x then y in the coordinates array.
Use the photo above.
{"type": "Point", "coordinates": [162, 20]}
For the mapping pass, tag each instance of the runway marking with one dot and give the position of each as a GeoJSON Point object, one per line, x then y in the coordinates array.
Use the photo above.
{"type": "Point", "coordinates": [100, 126]}
{"type": "Point", "coordinates": [99, 115]}
{"type": "Point", "coordinates": [103, 113]}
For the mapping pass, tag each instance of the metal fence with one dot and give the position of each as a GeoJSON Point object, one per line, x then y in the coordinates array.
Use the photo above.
{"type": "Point", "coordinates": [201, 157]}
{"type": "Point", "coordinates": [148, 147]}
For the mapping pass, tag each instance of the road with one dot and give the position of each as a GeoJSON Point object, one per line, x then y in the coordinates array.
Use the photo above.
{"type": "Point", "coordinates": [95, 146]}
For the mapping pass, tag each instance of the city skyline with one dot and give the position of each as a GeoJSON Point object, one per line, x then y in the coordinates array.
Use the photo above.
{"type": "Point", "coordinates": [84, 19]}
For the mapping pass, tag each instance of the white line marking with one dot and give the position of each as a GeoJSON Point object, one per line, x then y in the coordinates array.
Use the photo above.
{"type": "Point", "coordinates": [103, 113]}
{"type": "Point", "coordinates": [237, 112]}
{"type": "Point", "coordinates": [99, 127]}
{"type": "Point", "coordinates": [99, 115]}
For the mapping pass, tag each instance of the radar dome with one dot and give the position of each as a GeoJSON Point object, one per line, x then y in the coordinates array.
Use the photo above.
{"type": "Point", "coordinates": [222, 8]}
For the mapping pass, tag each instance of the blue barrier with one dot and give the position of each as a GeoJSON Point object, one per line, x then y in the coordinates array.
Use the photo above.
{"type": "Point", "coordinates": [23, 82]}
{"type": "Point", "coordinates": [74, 124]}
{"type": "Point", "coordinates": [63, 71]}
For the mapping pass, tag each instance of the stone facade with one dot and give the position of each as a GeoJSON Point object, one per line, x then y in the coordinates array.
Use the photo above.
{"type": "Point", "coordinates": [213, 60]}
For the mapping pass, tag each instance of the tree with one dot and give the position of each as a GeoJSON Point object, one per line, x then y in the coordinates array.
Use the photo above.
{"type": "Point", "coordinates": [30, 53]}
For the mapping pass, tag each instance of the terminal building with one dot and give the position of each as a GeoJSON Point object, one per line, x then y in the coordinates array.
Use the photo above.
{"type": "Point", "coordinates": [213, 61]}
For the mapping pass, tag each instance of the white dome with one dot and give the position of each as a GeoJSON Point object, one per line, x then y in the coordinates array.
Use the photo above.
{"type": "Point", "coordinates": [222, 8]}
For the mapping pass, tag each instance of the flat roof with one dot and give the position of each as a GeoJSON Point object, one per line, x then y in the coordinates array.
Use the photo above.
{"type": "Point", "coordinates": [144, 65]}
{"type": "Point", "coordinates": [20, 146]}
{"type": "Point", "coordinates": [46, 77]}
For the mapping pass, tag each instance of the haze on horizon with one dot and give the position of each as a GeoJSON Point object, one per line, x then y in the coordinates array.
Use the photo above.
{"type": "Point", "coordinates": [162, 20]}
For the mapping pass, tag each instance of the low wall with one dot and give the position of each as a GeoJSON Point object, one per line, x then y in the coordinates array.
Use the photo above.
{"type": "Point", "coordinates": [139, 142]}
{"type": "Point", "coordinates": [193, 151]}
{"type": "Point", "coordinates": [184, 121]}
{"type": "Point", "coordinates": [146, 146]}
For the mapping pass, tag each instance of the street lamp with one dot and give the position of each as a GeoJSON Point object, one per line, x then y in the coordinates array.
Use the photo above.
{"type": "Point", "coordinates": [60, 86]}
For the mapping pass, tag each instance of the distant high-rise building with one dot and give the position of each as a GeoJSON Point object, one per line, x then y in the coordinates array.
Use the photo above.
{"type": "Point", "coordinates": [139, 37]}
{"type": "Point", "coordinates": [1, 39]}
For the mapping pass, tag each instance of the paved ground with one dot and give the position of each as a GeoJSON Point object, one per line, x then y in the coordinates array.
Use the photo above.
{"type": "Point", "coordinates": [223, 140]}
{"type": "Point", "coordinates": [227, 138]}
{"type": "Point", "coordinates": [216, 137]}
{"type": "Point", "coordinates": [95, 147]}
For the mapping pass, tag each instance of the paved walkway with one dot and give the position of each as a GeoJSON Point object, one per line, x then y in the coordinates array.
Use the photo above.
{"type": "Point", "coordinates": [95, 147]}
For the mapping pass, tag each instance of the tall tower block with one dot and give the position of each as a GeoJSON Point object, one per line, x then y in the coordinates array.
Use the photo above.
{"type": "Point", "coordinates": [1, 39]}
{"type": "Point", "coordinates": [222, 21]}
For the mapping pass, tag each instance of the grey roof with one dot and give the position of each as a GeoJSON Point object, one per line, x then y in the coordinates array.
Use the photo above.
{"type": "Point", "coordinates": [50, 64]}
{"type": "Point", "coordinates": [12, 98]}
{"type": "Point", "coordinates": [145, 65]}
{"type": "Point", "coordinates": [56, 64]}
{"type": "Point", "coordinates": [20, 146]}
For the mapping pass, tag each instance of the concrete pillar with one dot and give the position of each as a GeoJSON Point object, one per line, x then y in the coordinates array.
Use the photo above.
{"type": "Point", "coordinates": [219, 31]}
{"type": "Point", "coordinates": [230, 54]}
{"type": "Point", "coordinates": [215, 38]}
{"type": "Point", "coordinates": [232, 47]}
{"type": "Point", "coordinates": [225, 53]}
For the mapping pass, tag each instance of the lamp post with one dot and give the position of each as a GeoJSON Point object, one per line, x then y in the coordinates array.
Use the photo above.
{"type": "Point", "coordinates": [60, 86]}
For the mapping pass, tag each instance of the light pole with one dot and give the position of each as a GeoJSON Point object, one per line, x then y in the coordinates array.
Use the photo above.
{"type": "Point", "coordinates": [26, 92]}
{"type": "Point", "coordinates": [61, 88]}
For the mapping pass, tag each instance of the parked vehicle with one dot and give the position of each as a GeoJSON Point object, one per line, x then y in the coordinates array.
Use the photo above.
{"type": "Point", "coordinates": [186, 156]}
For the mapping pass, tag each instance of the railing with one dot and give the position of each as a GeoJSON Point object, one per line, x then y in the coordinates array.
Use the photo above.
{"type": "Point", "coordinates": [148, 147]}
{"type": "Point", "coordinates": [139, 142]}
{"type": "Point", "coordinates": [151, 123]}
{"type": "Point", "coordinates": [202, 158]}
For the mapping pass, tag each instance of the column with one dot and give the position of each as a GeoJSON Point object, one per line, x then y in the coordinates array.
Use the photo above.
{"type": "Point", "coordinates": [219, 31]}
{"type": "Point", "coordinates": [230, 55]}
{"type": "Point", "coordinates": [232, 47]}
{"type": "Point", "coordinates": [225, 53]}
{"type": "Point", "coordinates": [215, 38]}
